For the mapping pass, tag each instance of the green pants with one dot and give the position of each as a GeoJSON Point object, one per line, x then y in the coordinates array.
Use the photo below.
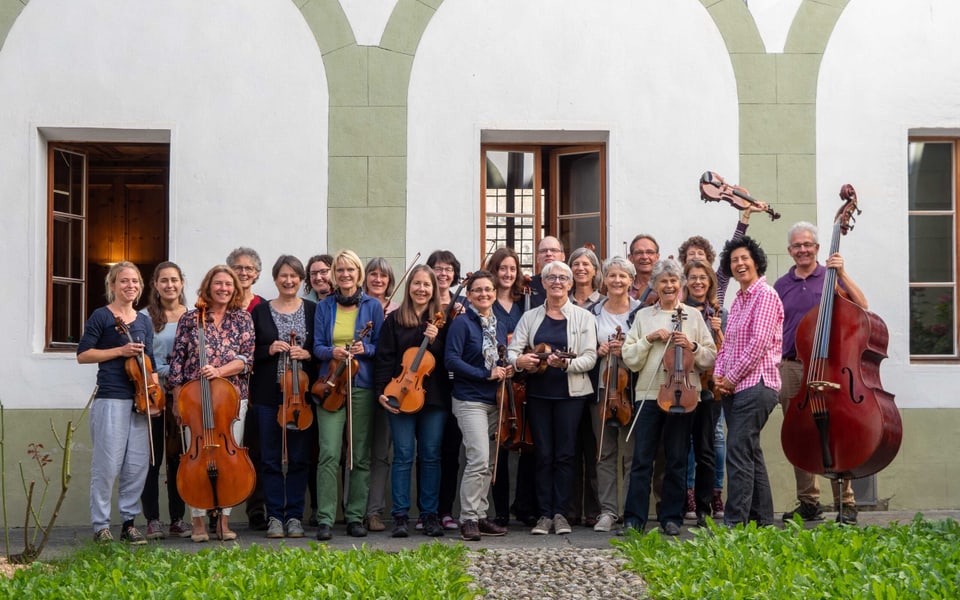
{"type": "Point", "coordinates": [331, 432]}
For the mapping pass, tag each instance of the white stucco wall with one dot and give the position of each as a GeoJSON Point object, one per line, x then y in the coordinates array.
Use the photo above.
{"type": "Point", "coordinates": [890, 68]}
{"type": "Point", "coordinates": [238, 87]}
{"type": "Point", "coordinates": [655, 75]}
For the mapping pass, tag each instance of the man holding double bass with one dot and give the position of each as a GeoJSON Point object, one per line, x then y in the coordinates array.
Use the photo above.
{"type": "Point", "coordinates": [800, 290]}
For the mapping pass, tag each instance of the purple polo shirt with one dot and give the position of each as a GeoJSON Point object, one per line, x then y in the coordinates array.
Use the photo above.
{"type": "Point", "coordinates": [798, 295]}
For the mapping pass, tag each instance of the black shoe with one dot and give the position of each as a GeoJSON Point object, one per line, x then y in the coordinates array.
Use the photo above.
{"type": "Point", "coordinates": [400, 527]}
{"type": "Point", "coordinates": [528, 520]}
{"type": "Point", "coordinates": [701, 519]}
{"type": "Point", "coordinates": [502, 521]}
{"type": "Point", "coordinates": [847, 516]}
{"type": "Point", "coordinates": [431, 525]}
{"type": "Point", "coordinates": [633, 524]}
{"type": "Point", "coordinates": [258, 522]}
{"type": "Point", "coordinates": [806, 511]}
{"type": "Point", "coordinates": [356, 529]}
{"type": "Point", "coordinates": [324, 532]}
{"type": "Point", "coordinates": [670, 528]}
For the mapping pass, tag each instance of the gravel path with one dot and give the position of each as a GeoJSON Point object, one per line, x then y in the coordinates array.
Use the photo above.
{"type": "Point", "coordinates": [536, 573]}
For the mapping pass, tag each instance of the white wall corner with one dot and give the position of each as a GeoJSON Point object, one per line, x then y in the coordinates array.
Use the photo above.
{"type": "Point", "coordinates": [773, 19]}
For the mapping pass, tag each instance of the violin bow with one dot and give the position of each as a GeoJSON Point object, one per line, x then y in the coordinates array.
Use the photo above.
{"type": "Point", "coordinates": [350, 412]}
{"type": "Point", "coordinates": [656, 372]}
{"type": "Point", "coordinates": [396, 287]}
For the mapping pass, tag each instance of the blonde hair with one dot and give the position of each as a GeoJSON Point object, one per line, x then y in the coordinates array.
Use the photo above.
{"type": "Point", "coordinates": [349, 257]}
{"type": "Point", "coordinates": [111, 279]}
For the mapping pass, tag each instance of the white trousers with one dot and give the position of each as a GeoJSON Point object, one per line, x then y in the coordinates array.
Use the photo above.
{"type": "Point", "coordinates": [478, 423]}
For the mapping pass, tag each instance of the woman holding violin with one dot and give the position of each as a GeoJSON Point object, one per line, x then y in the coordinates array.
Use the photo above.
{"type": "Point", "coordinates": [285, 462]}
{"type": "Point", "coordinates": [556, 343]}
{"type": "Point", "coordinates": [471, 354]}
{"type": "Point", "coordinates": [420, 433]}
{"type": "Point", "coordinates": [229, 338]}
{"type": "Point", "coordinates": [504, 264]}
{"type": "Point", "coordinates": [119, 434]}
{"type": "Point", "coordinates": [339, 321]}
{"type": "Point", "coordinates": [379, 283]}
{"type": "Point", "coordinates": [612, 412]}
{"type": "Point", "coordinates": [662, 341]}
{"type": "Point", "coordinates": [166, 305]}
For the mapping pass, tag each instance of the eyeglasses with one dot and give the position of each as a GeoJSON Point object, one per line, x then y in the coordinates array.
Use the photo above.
{"type": "Point", "coordinates": [244, 269]}
{"type": "Point", "coordinates": [644, 252]}
{"type": "Point", "coordinates": [698, 278]}
{"type": "Point", "coordinates": [483, 290]}
{"type": "Point", "coordinates": [556, 279]}
{"type": "Point", "coordinates": [549, 250]}
{"type": "Point", "coordinates": [443, 269]}
{"type": "Point", "coordinates": [804, 246]}
{"type": "Point", "coordinates": [320, 273]}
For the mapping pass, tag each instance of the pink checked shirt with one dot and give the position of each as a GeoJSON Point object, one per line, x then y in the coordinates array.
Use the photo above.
{"type": "Point", "coordinates": [753, 339]}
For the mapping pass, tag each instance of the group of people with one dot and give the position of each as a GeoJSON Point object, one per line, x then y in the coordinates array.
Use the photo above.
{"type": "Point", "coordinates": [427, 374]}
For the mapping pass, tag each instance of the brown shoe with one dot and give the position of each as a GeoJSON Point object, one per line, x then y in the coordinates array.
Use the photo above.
{"type": "Point", "coordinates": [470, 531]}
{"type": "Point", "coordinates": [375, 523]}
{"type": "Point", "coordinates": [488, 527]}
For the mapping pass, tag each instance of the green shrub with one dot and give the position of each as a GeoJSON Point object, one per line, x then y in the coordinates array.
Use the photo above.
{"type": "Point", "coordinates": [116, 571]}
{"type": "Point", "coordinates": [918, 560]}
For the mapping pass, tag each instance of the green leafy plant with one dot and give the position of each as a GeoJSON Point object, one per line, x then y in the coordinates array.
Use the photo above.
{"type": "Point", "coordinates": [115, 571]}
{"type": "Point", "coordinates": [917, 560]}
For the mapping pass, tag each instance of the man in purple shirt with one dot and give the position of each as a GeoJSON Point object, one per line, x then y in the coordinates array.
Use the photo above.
{"type": "Point", "coordinates": [746, 377]}
{"type": "Point", "coordinates": [800, 290]}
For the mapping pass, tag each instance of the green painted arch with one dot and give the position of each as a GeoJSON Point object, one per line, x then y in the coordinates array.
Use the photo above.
{"type": "Point", "coordinates": [9, 11]}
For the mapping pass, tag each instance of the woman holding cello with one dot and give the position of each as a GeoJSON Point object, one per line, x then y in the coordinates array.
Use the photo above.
{"type": "Point", "coordinates": [665, 338]}
{"type": "Point", "coordinates": [119, 434]}
{"type": "Point", "coordinates": [229, 339]}
{"type": "Point", "coordinates": [274, 387]}
{"type": "Point", "coordinates": [556, 343]}
{"type": "Point", "coordinates": [339, 322]}
{"type": "Point", "coordinates": [166, 305]}
{"type": "Point", "coordinates": [420, 433]}
{"type": "Point", "coordinates": [611, 413]}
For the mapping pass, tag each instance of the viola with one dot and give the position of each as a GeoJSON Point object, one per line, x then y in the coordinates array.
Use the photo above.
{"type": "Point", "coordinates": [148, 396]}
{"type": "Point", "coordinates": [215, 471]}
{"type": "Point", "coordinates": [333, 390]}
{"type": "Point", "coordinates": [506, 412]}
{"type": "Point", "coordinates": [405, 391]}
{"type": "Point", "coordinates": [294, 414]}
{"type": "Point", "coordinates": [841, 423]}
{"type": "Point", "coordinates": [616, 406]}
{"type": "Point", "coordinates": [543, 352]}
{"type": "Point", "coordinates": [714, 189]}
{"type": "Point", "coordinates": [677, 395]}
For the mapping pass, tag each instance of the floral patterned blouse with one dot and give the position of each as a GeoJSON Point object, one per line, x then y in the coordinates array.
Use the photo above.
{"type": "Point", "coordinates": [233, 339]}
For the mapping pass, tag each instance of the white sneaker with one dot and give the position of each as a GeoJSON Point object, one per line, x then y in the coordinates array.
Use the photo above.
{"type": "Point", "coordinates": [560, 525]}
{"type": "Point", "coordinates": [542, 527]}
{"type": "Point", "coordinates": [605, 522]}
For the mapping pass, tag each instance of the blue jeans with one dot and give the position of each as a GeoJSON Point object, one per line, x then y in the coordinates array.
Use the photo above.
{"type": "Point", "coordinates": [416, 434]}
{"type": "Point", "coordinates": [748, 486]}
{"type": "Point", "coordinates": [284, 495]}
{"type": "Point", "coordinates": [653, 426]}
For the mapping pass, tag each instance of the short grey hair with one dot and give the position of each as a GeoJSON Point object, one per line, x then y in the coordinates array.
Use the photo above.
{"type": "Point", "coordinates": [554, 266]}
{"type": "Point", "coordinates": [667, 266]}
{"type": "Point", "coordinates": [803, 226]}
{"type": "Point", "coordinates": [597, 273]}
{"type": "Point", "coordinates": [249, 253]}
{"type": "Point", "coordinates": [619, 262]}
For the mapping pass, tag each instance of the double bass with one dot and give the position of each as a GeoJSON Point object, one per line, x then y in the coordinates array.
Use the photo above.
{"type": "Point", "coordinates": [215, 472]}
{"type": "Point", "coordinates": [841, 424]}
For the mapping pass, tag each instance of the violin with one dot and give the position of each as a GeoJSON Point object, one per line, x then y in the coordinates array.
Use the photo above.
{"type": "Point", "coordinates": [333, 390]}
{"type": "Point", "coordinates": [148, 396]}
{"type": "Point", "coordinates": [616, 406]}
{"type": "Point", "coordinates": [543, 352]}
{"type": "Point", "coordinates": [506, 412]}
{"type": "Point", "coordinates": [405, 391]}
{"type": "Point", "coordinates": [841, 424]}
{"type": "Point", "coordinates": [706, 378]}
{"type": "Point", "coordinates": [677, 395]}
{"type": "Point", "coordinates": [214, 471]}
{"type": "Point", "coordinates": [714, 189]}
{"type": "Point", "coordinates": [294, 413]}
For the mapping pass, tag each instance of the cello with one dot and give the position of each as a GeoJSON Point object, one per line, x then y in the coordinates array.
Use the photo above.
{"type": "Point", "coordinates": [215, 472]}
{"type": "Point", "coordinates": [405, 391]}
{"type": "Point", "coordinates": [677, 395]}
{"type": "Point", "coordinates": [841, 424]}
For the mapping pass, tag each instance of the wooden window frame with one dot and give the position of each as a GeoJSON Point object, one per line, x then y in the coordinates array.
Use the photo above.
{"type": "Point", "coordinates": [53, 150]}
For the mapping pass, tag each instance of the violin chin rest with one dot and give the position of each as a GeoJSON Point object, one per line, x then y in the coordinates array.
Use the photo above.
{"type": "Point", "coordinates": [393, 402]}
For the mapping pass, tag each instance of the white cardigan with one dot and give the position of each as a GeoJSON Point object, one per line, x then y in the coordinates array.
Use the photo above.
{"type": "Point", "coordinates": [581, 340]}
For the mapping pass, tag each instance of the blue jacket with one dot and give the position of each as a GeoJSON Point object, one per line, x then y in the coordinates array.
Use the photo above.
{"type": "Point", "coordinates": [464, 358]}
{"type": "Point", "coordinates": [326, 315]}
